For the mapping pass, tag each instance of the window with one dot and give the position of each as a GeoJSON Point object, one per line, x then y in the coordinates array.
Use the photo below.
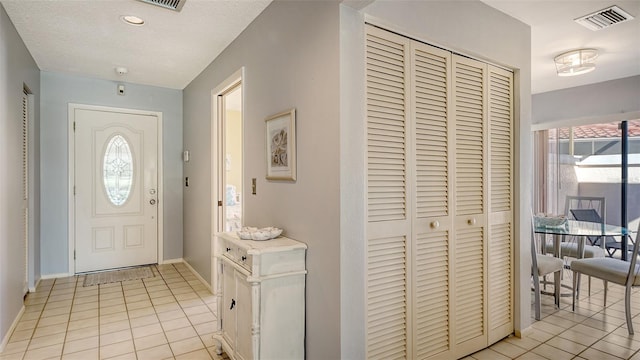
{"type": "Point", "coordinates": [118, 170]}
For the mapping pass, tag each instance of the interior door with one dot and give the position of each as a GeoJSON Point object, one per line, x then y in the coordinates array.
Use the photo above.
{"type": "Point", "coordinates": [116, 191]}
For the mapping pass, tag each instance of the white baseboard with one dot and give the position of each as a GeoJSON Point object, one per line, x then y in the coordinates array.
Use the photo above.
{"type": "Point", "coordinates": [524, 332]}
{"type": "Point", "coordinates": [172, 261]}
{"type": "Point", "coordinates": [5, 339]}
{"type": "Point", "coordinates": [33, 289]}
{"type": "Point", "coordinates": [202, 280]}
{"type": "Point", "coordinates": [54, 276]}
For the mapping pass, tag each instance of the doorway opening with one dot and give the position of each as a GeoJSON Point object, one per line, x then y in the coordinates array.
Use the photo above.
{"type": "Point", "coordinates": [232, 173]}
{"type": "Point", "coordinates": [227, 160]}
{"type": "Point", "coordinates": [593, 160]}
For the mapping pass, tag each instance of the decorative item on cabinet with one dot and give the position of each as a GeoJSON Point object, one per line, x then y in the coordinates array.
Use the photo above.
{"type": "Point", "coordinates": [261, 297]}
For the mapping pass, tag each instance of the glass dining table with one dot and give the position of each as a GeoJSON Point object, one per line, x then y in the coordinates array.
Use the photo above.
{"type": "Point", "coordinates": [580, 229]}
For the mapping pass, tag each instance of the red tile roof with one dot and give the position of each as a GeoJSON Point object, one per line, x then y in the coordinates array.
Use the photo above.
{"type": "Point", "coordinates": [600, 131]}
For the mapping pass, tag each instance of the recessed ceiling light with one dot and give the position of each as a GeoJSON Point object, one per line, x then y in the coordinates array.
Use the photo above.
{"type": "Point", "coordinates": [132, 20]}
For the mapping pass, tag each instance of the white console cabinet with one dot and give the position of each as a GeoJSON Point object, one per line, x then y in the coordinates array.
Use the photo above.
{"type": "Point", "coordinates": [261, 297]}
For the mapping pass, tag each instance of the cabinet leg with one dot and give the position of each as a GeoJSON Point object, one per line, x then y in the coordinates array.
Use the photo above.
{"type": "Point", "coordinates": [218, 346]}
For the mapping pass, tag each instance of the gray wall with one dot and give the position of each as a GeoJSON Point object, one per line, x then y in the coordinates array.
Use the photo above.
{"type": "Point", "coordinates": [291, 59]}
{"type": "Point", "coordinates": [17, 69]}
{"type": "Point", "coordinates": [608, 101]}
{"type": "Point", "coordinates": [58, 90]}
{"type": "Point", "coordinates": [469, 27]}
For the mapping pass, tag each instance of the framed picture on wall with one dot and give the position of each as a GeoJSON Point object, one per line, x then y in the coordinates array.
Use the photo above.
{"type": "Point", "coordinates": [281, 145]}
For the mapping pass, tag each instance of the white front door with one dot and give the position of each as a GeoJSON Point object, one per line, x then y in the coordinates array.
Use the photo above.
{"type": "Point", "coordinates": [116, 193]}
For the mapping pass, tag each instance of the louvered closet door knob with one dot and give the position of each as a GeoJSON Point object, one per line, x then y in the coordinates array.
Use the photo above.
{"type": "Point", "coordinates": [434, 224]}
{"type": "Point", "coordinates": [471, 221]}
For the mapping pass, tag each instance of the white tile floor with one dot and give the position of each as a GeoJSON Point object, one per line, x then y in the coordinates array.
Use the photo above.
{"type": "Point", "coordinates": [591, 332]}
{"type": "Point", "coordinates": [169, 316]}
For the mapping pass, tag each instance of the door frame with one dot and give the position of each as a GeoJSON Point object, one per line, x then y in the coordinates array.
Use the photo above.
{"type": "Point", "coordinates": [72, 168]}
{"type": "Point", "coordinates": [216, 166]}
{"type": "Point", "coordinates": [31, 186]}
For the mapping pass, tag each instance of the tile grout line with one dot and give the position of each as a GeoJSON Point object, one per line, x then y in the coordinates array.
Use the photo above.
{"type": "Point", "coordinates": [66, 330]}
{"type": "Point", "coordinates": [38, 321]}
{"type": "Point", "coordinates": [182, 308]}
{"type": "Point", "coordinates": [157, 313]}
{"type": "Point", "coordinates": [582, 323]}
{"type": "Point", "coordinates": [178, 302]}
{"type": "Point", "coordinates": [126, 307]}
{"type": "Point", "coordinates": [172, 278]}
{"type": "Point", "coordinates": [187, 316]}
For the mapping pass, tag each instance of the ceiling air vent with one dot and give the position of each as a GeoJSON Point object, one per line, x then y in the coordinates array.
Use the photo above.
{"type": "Point", "coordinates": [604, 18]}
{"type": "Point", "coordinates": [175, 5]}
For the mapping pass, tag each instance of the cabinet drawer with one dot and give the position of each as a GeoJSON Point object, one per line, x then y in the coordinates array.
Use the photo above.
{"type": "Point", "coordinates": [243, 259]}
{"type": "Point", "coordinates": [236, 254]}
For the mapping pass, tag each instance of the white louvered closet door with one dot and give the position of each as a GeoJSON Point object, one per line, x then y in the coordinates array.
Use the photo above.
{"type": "Point", "coordinates": [500, 266]}
{"type": "Point", "coordinates": [440, 201]}
{"type": "Point", "coordinates": [469, 257]}
{"type": "Point", "coordinates": [388, 216]}
{"type": "Point", "coordinates": [433, 196]}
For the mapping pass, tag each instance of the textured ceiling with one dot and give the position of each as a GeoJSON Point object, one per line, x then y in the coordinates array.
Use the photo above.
{"type": "Point", "coordinates": [553, 32]}
{"type": "Point", "coordinates": [87, 37]}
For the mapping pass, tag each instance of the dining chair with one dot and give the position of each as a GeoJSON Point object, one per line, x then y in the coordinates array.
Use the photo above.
{"type": "Point", "coordinates": [625, 273]}
{"type": "Point", "coordinates": [542, 265]}
{"type": "Point", "coordinates": [575, 204]}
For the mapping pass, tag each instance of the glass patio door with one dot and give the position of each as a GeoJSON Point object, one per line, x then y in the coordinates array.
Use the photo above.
{"type": "Point", "coordinates": [587, 160]}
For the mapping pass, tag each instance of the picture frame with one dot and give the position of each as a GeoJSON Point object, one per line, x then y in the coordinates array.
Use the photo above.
{"type": "Point", "coordinates": [281, 145]}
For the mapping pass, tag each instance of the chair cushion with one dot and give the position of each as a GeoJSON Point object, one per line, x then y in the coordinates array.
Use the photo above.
{"type": "Point", "coordinates": [610, 269]}
{"type": "Point", "coordinates": [570, 249]}
{"type": "Point", "coordinates": [548, 264]}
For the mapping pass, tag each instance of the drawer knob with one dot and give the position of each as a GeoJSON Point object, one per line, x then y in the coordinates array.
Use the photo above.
{"type": "Point", "coordinates": [233, 304]}
{"type": "Point", "coordinates": [244, 258]}
{"type": "Point", "coordinates": [228, 249]}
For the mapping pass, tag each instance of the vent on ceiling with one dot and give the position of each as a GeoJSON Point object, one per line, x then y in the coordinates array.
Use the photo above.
{"type": "Point", "coordinates": [604, 18]}
{"type": "Point", "coordinates": [175, 5]}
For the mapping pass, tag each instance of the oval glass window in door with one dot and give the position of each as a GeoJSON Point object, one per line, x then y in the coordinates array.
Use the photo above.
{"type": "Point", "coordinates": [117, 170]}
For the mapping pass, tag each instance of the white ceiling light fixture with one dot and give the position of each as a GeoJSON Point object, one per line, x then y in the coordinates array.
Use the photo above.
{"type": "Point", "coordinates": [576, 62]}
{"type": "Point", "coordinates": [132, 20]}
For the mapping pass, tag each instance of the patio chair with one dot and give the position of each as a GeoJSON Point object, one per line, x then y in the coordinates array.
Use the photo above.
{"type": "Point", "coordinates": [611, 245]}
{"type": "Point", "coordinates": [625, 273]}
{"type": "Point", "coordinates": [542, 265]}
{"type": "Point", "coordinates": [570, 248]}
